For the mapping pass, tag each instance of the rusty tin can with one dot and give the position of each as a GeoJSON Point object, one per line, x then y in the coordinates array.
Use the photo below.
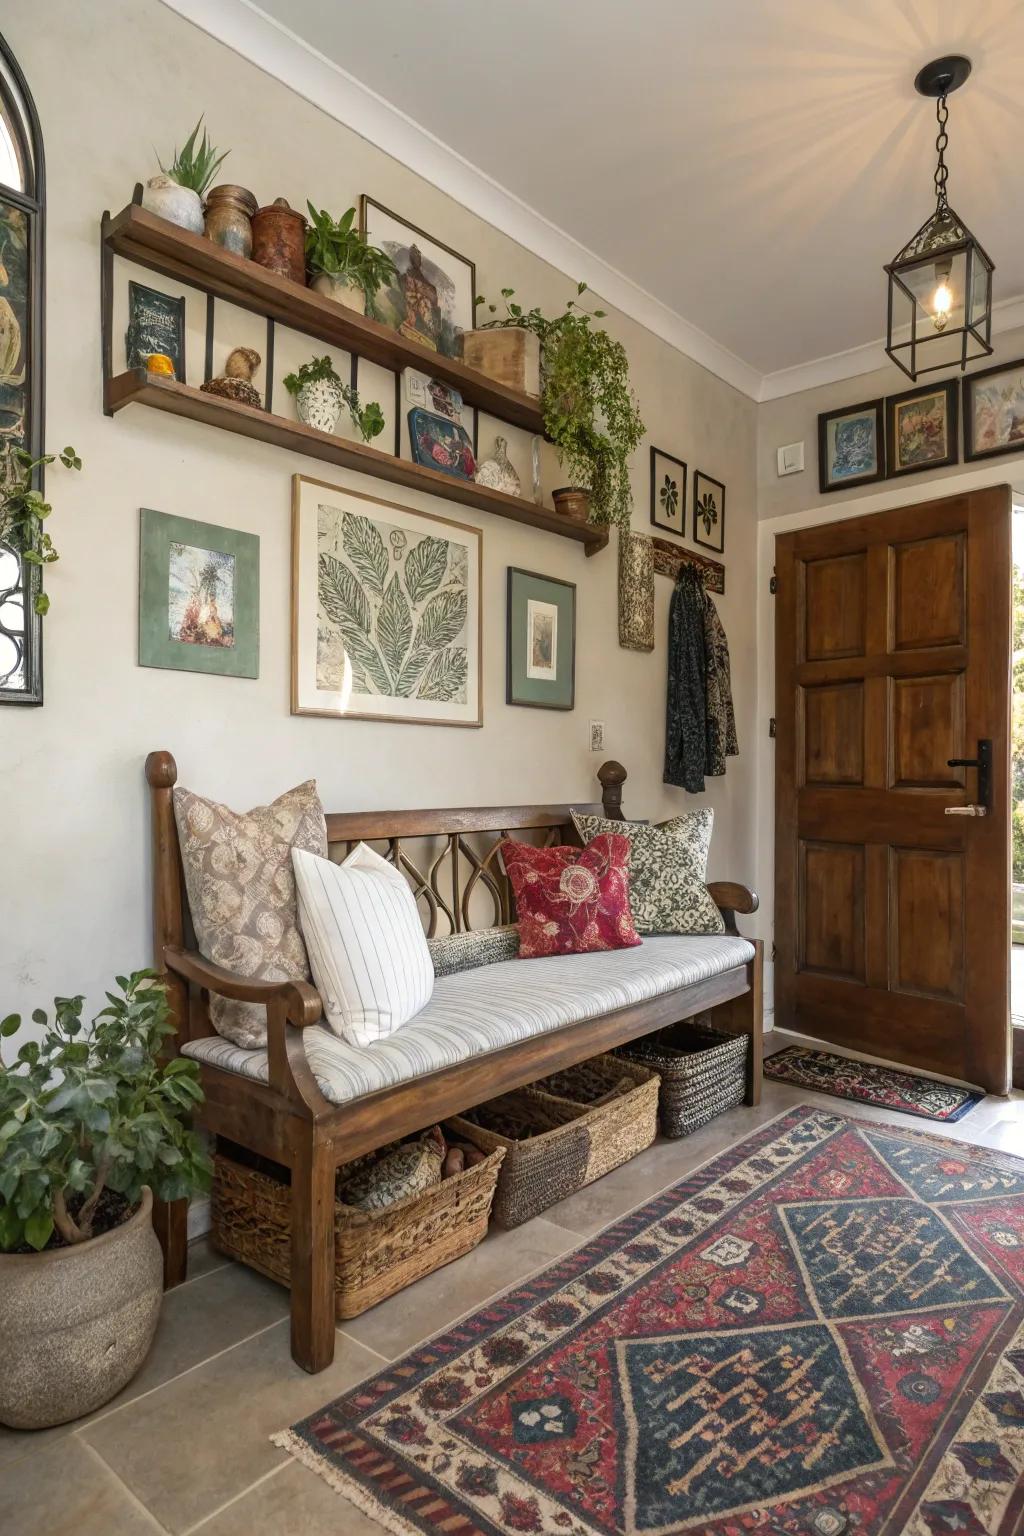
{"type": "Point", "coordinates": [279, 240]}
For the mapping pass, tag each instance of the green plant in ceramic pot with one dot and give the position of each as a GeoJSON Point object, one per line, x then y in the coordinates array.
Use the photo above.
{"type": "Point", "coordinates": [342, 264]}
{"type": "Point", "coordinates": [590, 410]}
{"type": "Point", "coordinates": [177, 193]}
{"type": "Point", "coordinates": [93, 1124]}
{"type": "Point", "coordinates": [24, 510]}
{"type": "Point", "coordinates": [320, 395]}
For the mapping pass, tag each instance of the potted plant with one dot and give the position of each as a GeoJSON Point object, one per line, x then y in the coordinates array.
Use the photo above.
{"type": "Point", "coordinates": [320, 395]}
{"type": "Point", "coordinates": [24, 510]}
{"type": "Point", "coordinates": [590, 410]}
{"type": "Point", "coordinates": [177, 194]}
{"type": "Point", "coordinates": [92, 1126]}
{"type": "Point", "coordinates": [342, 264]}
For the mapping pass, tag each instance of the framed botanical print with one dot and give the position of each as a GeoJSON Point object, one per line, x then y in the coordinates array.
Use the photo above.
{"type": "Point", "coordinates": [540, 641]}
{"type": "Point", "coordinates": [994, 411]}
{"type": "Point", "coordinates": [156, 323]}
{"type": "Point", "coordinates": [199, 596]}
{"type": "Point", "coordinates": [386, 619]}
{"type": "Point", "coordinates": [850, 446]}
{"type": "Point", "coordinates": [432, 298]}
{"type": "Point", "coordinates": [668, 492]}
{"type": "Point", "coordinates": [921, 429]}
{"type": "Point", "coordinates": [708, 511]}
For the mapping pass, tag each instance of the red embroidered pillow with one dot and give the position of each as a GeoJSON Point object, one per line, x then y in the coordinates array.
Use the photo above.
{"type": "Point", "coordinates": [570, 901]}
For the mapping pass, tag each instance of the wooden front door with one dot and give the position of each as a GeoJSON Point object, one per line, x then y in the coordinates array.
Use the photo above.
{"type": "Point", "coordinates": [892, 917]}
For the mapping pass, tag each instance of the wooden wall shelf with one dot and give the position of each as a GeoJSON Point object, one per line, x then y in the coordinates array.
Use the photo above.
{"type": "Point", "coordinates": [152, 242]}
{"type": "Point", "coordinates": [669, 557]}
{"type": "Point", "coordinates": [142, 388]}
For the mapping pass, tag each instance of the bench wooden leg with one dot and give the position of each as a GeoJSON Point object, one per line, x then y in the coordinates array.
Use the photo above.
{"type": "Point", "coordinates": [170, 1223]}
{"type": "Point", "coordinates": [745, 1015]}
{"type": "Point", "coordinates": [312, 1258]}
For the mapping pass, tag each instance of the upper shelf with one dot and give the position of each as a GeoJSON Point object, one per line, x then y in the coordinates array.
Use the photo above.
{"type": "Point", "coordinates": [152, 242]}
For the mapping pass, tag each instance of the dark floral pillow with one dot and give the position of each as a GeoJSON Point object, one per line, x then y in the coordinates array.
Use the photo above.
{"type": "Point", "coordinates": [570, 901]}
{"type": "Point", "coordinates": [667, 870]}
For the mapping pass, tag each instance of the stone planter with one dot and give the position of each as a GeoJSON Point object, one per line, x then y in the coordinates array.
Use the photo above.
{"type": "Point", "coordinates": [76, 1323]}
{"type": "Point", "coordinates": [319, 404]}
{"type": "Point", "coordinates": [340, 290]}
{"type": "Point", "coordinates": [179, 205]}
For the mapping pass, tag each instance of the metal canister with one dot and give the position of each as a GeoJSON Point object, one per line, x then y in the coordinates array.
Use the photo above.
{"type": "Point", "coordinates": [279, 240]}
{"type": "Point", "coordinates": [229, 216]}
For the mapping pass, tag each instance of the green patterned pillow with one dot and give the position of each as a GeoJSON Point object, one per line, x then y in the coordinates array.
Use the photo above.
{"type": "Point", "coordinates": [667, 871]}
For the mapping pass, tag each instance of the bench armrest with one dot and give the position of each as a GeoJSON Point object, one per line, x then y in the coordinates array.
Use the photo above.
{"type": "Point", "coordinates": [730, 897]}
{"type": "Point", "coordinates": [302, 1001]}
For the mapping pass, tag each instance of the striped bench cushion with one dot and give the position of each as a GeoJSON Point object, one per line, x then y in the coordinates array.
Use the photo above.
{"type": "Point", "coordinates": [483, 1010]}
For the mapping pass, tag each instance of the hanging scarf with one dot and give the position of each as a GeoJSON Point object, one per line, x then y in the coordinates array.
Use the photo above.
{"type": "Point", "coordinates": [686, 709]}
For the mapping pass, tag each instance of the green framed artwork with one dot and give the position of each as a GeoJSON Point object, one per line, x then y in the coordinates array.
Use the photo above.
{"type": "Point", "coordinates": [540, 641]}
{"type": "Point", "coordinates": [199, 596]}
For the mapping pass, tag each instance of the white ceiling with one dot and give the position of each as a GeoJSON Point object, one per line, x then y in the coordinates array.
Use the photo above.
{"type": "Point", "coordinates": [750, 164]}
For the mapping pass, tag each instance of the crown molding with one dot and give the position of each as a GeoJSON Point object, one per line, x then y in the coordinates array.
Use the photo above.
{"type": "Point", "coordinates": [273, 48]}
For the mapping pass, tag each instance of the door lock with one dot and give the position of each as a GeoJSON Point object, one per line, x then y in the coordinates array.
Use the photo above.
{"type": "Point", "coordinates": [983, 763]}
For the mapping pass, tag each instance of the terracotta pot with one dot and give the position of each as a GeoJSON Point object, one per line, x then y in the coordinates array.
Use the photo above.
{"type": "Point", "coordinates": [279, 240]}
{"type": "Point", "coordinates": [319, 404]}
{"type": "Point", "coordinates": [572, 503]}
{"type": "Point", "coordinates": [229, 215]}
{"type": "Point", "coordinates": [179, 205]}
{"type": "Point", "coordinates": [341, 290]}
{"type": "Point", "coordinates": [76, 1323]}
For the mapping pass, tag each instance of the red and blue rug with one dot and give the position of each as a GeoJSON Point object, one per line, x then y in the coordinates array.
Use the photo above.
{"type": "Point", "coordinates": [820, 1332]}
{"type": "Point", "coordinates": [866, 1083]}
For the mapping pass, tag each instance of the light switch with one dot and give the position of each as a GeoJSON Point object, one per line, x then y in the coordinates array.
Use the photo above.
{"type": "Point", "coordinates": [791, 459]}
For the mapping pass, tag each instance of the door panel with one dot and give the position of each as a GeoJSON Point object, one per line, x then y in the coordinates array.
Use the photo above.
{"type": "Point", "coordinates": [892, 656]}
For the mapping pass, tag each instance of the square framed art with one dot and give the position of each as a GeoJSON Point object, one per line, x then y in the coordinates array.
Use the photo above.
{"type": "Point", "coordinates": [708, 511]}
{"type": "Point", "coordinates": [668, 492]}
{"type": "Point", "coordinates": [432, 299]}
{"type": "Point", "coordinates": [921, 429]}
{"type": "Point", "coordinates": [199, 596]}
{"type": "Point", "coordinates": [850, 446]}
{"type": "Point", "coordinates": [386, 618]}
{"type": "Point", "coordinates": [540, 641]}
{"type": "Point", "coordinates": [993, 403]}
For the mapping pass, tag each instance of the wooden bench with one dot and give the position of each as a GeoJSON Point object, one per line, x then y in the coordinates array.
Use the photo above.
{"type": "Point", "coordinates": [291, 1122]}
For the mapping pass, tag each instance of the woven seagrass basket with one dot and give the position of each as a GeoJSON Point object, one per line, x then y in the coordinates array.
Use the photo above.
{"type": "Point", "coordinates": [376, 1252]}
{"type": "Point", "coordinates": [702, 1072]}
{"type": "Point", "coordinates": [564, 1132]}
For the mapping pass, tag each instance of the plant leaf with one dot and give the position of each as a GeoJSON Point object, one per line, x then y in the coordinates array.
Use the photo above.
{"type": "Point", "coordinates": [394, 626]}
{"type": "Point", "coordinates": [364, 651]}
{"type": "Point", "coordinates": [446, 676]}
{"type": "Point", "coordinates": [365, 548]}
{"type": "Point", "coordinates": [341, 596]}
{"type": "Point", "coordinates": [443, 619]}
{"type": "Point", "coordinates": [409, 675]}
{"type": "Point", "coordinates": [38, 1228]}
{"type": "Point", "coordinates": [424, 568]}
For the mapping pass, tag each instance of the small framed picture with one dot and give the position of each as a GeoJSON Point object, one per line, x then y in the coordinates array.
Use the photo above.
{"type": "Point", "coordinates": [708, 511]}
{"type": "Point", "coordinates": [668, 492]}
{"type": "Point", "coordinates": [850, 448]}
{"type": "Point", "coordinates": [921, 429]}
{"type": "Point", "coordinates": [156, 323]}
{"type": "Point", "coordinates": [540, 641]}
{"type": "Point", "coordinates": [199, 596]}
{"type": "Point", "coordinates": [432, 298]}
{"type": "Point", "coordinates": [994, 411]}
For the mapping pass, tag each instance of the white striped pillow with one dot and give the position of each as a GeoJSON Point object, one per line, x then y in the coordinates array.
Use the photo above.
{"type": "Point", "coordinates": [366, 945]}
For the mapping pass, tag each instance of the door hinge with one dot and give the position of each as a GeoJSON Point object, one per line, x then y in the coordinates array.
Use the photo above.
{"type": "Point", "coordinates": [771, 727]}
{"type": "Point", "coordinates": [773, 584]}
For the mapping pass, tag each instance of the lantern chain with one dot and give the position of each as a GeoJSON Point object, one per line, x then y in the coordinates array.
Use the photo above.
{"type": "Point", "coordinates": [942, 139]}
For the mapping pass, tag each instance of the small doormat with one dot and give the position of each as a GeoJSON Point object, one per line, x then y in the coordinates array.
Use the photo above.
{"type": "Point", "coordinates": [866, 1083]}
{"type": "Point", "coordinates": [821, 1331]}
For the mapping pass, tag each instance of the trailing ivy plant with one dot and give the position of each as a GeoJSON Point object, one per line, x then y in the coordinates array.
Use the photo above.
{"type": "Point", "coordinates": [24, 510]}
{"type": "Point", "coordinates": [336, 247]}
{"type": "Point", "coordinates": [368, 418]}
{"type": "Point", "coordinates": [195, 165]}
{"type": "Point", "coordinates": [89, 1112]}
{"type": "Point", "coordinates": [590, 410]}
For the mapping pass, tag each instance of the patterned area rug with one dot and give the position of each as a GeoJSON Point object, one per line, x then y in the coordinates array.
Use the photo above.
{"type": "Point", "coordinates": [866, 1083]}
{"type": "Point", "coordinates": [820, 1332]}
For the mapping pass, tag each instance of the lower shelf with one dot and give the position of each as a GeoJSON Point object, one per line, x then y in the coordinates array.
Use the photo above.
{"type": "Point", "coordinates": [142, 388]}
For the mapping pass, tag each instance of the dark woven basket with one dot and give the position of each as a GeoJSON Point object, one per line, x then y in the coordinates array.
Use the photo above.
{"type": "Point", "coordinates": [702, 1071]}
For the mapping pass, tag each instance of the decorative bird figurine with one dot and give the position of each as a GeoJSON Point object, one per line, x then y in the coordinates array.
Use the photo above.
{"type": "Point", "coordinates": [235, 383]}
{"type": "Point", "coordinates": [498, 473]}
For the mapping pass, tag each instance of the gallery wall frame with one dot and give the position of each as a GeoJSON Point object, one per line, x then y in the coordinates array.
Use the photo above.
{"type": "Point", "coordinates": [851, 446]}
{"type": "Point", "coordinates": [440, 265]}
{"type": "Point", "coordinates": [993, 411]}
{"type": "Point", "coordinates": [199, 596]}
{"type": "Point", "coordinates": [922, 429]}
{"type": "Point", "coordinates": [668, 492]}
{"type": "Point", "coordinates": [708, 511]}
{"type": "Point", "coordinates": [540, 640]}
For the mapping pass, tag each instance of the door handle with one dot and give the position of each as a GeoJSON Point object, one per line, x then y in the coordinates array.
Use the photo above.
{"type": "Point", "coordinates": [983, 763]}
{"type": "Point", "coordinates": [966, 810]}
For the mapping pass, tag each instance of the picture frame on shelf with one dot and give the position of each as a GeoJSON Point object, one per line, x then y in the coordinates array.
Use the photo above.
{"type": "Point", "coordinates": [851, 446]}
{"type": "Point", "coordinates": [708, 511]}
{"type": "Point", "coordinates": [438, 442]}
{"type": "Point", "coordinates": [668, 492]}
{"type": "Point", "coordinates": [386, 610]}
{"type": "Point", "coordinates": [432, 300]}
{"type": "Point", "coordinates": [922, 429]}
{"type": "Point", "coordinates": [993, 411]}
{"type": "Point", "coordinates": [156, 323]}
{"type": "Point", "coordinates": [540, 641]}
{"type": "Point", "coordinates": [199, 596]}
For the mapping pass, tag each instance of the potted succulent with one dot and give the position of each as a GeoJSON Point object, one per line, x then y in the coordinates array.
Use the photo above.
{"type": "Point", "coordinates": [342, 264]}
{"type": "Point", "coordinates": [590, 410]}
{"type": "Point", "coordinates": [177, 194]}
{"type": "Point", "coordinates": [319, 397]}
{"type": "Point", "coordinates": [23, 514]}
{"type": "Point", "coordinates": [92, 1126]}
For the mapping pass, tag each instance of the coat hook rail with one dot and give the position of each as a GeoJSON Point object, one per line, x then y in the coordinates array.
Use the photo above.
{"type": "Point", "coordinates": [668, 558]}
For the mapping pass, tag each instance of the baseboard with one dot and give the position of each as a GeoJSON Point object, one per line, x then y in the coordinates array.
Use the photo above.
{"type": "Point", "coordinates": [198, 1218]}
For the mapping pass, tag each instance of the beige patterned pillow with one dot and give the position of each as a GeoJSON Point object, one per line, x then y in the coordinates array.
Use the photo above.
{"type": "Point", "coordinates": [668, 866]}
{"type": "Point", "coordinates": [241, 892]}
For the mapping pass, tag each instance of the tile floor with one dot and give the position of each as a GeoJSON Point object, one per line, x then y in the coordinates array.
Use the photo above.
{"type": "Point", "coordinates": [186, 1447]}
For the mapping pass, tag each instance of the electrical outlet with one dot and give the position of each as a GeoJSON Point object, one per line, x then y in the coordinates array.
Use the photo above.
{"type": "Point", "coordinates": [597, 735]}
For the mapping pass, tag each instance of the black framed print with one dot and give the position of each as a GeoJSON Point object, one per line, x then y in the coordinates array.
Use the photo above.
{"type": "Point", "coordinates": [850, 446]}
{"type": "Point", "coordinates": [708, 511]}
{"type": "Point", "coordinates": [922, 429]}
{"type": "Point", "coordinates": [668, 492]}
{"type": "Point", "coordinates": [994, 411]}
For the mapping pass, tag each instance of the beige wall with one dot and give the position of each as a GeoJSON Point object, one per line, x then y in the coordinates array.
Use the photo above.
{"type": "Point", "coordinates": [75, 842]}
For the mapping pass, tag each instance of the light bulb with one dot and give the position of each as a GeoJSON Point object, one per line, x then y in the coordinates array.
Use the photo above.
{"type": "Point", "coordinates": [942, 305]}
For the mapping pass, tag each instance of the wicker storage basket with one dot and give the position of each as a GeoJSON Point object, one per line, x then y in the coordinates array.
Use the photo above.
{"type": "Point", "coordinates": [555, 1142]}
{"type": "Point", "coordinates": [376, 1252]}
{"type": "Point", "coordinates": [702, 1072]}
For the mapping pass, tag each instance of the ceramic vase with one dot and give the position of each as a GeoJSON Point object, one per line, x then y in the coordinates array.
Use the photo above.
{"type": "Point", "coordinates": [319, 404]}
{"type": "Point", "coordinates": [341, 290]}
{"type": "Point", "coordinates": [179, 205]}
{"type": "Point", "coordinates": [572, 502]}
{"type": "Point", "coordinates": [498, 473]}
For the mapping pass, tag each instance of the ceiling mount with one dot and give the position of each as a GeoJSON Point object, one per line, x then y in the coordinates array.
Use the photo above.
{"type": "Point", "coordinates": [943, 76]}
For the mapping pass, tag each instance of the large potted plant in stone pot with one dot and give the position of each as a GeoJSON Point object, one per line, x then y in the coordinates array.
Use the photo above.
{"type": "Point", "coordinates": [92, 1124]}
{"type": "Point", "coordinates": [342, 264]}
